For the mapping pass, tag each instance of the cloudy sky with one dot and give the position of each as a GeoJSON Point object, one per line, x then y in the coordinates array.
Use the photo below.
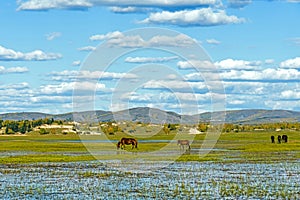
{"type": "Point", "coordinates": [48, 52]}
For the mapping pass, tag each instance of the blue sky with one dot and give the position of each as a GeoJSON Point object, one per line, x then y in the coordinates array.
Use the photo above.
{"type": "Point", "coordinates": [45, 47]}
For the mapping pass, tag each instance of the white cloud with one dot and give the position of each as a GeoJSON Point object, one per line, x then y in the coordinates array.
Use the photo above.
{"type": "Point", "coordinates": [175, 85]}
{"type": "Point", "coordinates": [269, 61]}
{"type": "Point", "coordinates": [238, 64]}
{"type": "Point", "coordinates": [52, 36]}
{"type": "Point", "coordinates": [236, 102]}
{"type": "Point", "coordinates": [129, 9]}
{"type": "Point", "coordinates": [67, 88]}
{"type": "Point", "coordinates": [290, 94]}
{"type": "Point", "coordinates": [76, 63]}
{"type": "Point", "coordinates": [179, 40]}
{"type": "Point", "coordinates": [50, 99]}
{"type": "Point", "coordinates": [17, 86]}
{"type": "Point", "coordinates": [54, 4]}
{"type": "Point", "coordinates": [87, 48]}
{"type": "Point", "coordinates": [69, 76]}
{"type": "Point", "coordinates": [149, 59]}
{"type": "Point", "coordinates": [291, 63]}
{"type": "Point", "coordinates": [37, 55]}
{"type": "Point", "coordinates": [197, 17]}
{"type": "Point", "coordinates": [196, 64]}
{"type": "Point", "coordinates": [227, 69]}
{"type": "Point", "coordinates": [110, 35]}
{"type": "Point", "coordinates": [242, 88]}
{"type": "Point", "coordinates": [266, 75]}
{"type": "Point", "coordinates": [238, 3]}
{"type": "Point", "coordinates": [134, 41]}
{"type": "Point", "coordinates": [193, 97]}
{"type": "Point", "coordinates": [213, 41]}
{"type": "Point", "coordinates": [84, 4]}
{"type": "Point", "coordinates": [13, 70]}
{"type": "Point", "coordinates": [117, 38]}
{"type": "Point", "coordinates": [282, 104]}
{"type": "Point", "coordinates": [171, 76]}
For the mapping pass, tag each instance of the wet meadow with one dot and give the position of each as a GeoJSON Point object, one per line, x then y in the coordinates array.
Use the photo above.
{"type": "Point", "coordinates": [240, 166]}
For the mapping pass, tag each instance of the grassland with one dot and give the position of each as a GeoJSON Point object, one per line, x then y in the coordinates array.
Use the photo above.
{"type": "Point", "coordinates": [230, 147]}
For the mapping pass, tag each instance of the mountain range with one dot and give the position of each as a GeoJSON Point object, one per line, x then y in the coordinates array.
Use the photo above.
{"type": "Point", "coordinates": [157, 116]}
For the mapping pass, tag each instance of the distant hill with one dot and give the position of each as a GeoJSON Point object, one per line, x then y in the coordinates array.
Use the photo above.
{"type": "Point", "coordinates": [256, 116]}
{"type": "Point", "coordinates": [153, 115]}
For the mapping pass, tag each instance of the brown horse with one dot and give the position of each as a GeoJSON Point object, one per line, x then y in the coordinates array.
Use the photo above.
{"type": "Point", "coordinates": [182, 143]}
{"type": "Point", "coordinates": [127, 141]}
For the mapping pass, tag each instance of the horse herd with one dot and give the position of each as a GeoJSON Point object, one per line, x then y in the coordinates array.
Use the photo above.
{"type": "Point", "coordinates": [133, 142]}
{"type": "Point", "coordinates": [280, 139]}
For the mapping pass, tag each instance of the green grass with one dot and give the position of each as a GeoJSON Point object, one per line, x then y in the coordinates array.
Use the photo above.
{"type": "Point", "coordinates": [231, 147]}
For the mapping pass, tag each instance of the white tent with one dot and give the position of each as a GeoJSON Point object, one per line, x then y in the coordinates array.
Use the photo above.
{"type": "Point", "coordinates": [195, 131]}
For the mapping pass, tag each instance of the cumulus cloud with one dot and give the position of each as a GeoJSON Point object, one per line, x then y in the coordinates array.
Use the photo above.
{"type": "Point", "coordinates": [282, 104]}
{"type": "Point", "coordinates": [226, 64]}
{"type": "Point", "coordinates": [54, 4]}
{"type": "Point", "coordinates": [69, 76]}
{"type": "Point", "coordinates": [238, 64]}
{"type": "Point", "coordinates": [76, 63]}
{"type": "Point", "coordinates": [175, 85]}
{"type": "Point", "coordinates": [269, 61]}
{"type": "Point", "coordinates": [235, 102]}
{"type": "Point", "coordinates": [179, 40]}
{"type": "Point", "coordinates": [37, 55]}
{"type": "Point", "coordinates": [166, 98]}
{"type": "Point", "coordinates": [66, 88]}
{"type": "Point", "coordinates": [119, 39]}
{"type": "Point", "coordinates": [87, 48]}
{"type": "Point", "coordinates": [213, 41]}
{"type": "Point", "coordinates": [291, 63]}
{"type": "Point", "coordinates": [290, 94]}
{"type": "Point", "coordinates": [110, 35]}
{"type": "Point", "coordinates": [149, 59]}
{"type": "Point", "coordinates": [266, 75]}
{"type": "Point", "coordinates": [196, 17]}
{"type": "Point", "coordinates": [16, 86]}
{"type": "Point", "coordinates": [196, 64]}
{"type": "Point", "coordinates": [50, 99]}
{"type": "Point", "coordinates": [13, 70]}
{"type": "Point", "coordinates": [84, 4]}
{"type": "Point", "coordinates": [52, 36]}
{"type": "Point", "coordinates": [129, 9]}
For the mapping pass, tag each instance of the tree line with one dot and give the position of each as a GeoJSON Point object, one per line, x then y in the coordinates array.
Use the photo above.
{"type": "Point", "coordinates": [24, 126]}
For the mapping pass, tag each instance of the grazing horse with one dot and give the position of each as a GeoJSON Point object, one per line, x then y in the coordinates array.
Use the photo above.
{"type": "Point", "coordinates": [182, 143]}
{"type": "Point", "coordinates": [273, 139]}
{"type": "Point", "coordinates": [279, 139]}
{"type": "Point", "coordinates": [127, 141]}
{"type": "Point", "coordinates": [284, 138]}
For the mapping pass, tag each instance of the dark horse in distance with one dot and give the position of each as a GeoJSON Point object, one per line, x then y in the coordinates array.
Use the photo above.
{"type": "Point", "coordinates": [272, 139]}
{"type": "Point", "coordinates": [183, 143]}
{"type": "Point", "coordinates": [127, 141]}
{"type": "Point", "coordinates": [284, 138]}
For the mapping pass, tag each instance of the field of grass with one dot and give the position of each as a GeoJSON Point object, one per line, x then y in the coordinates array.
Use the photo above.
{"type": "Point", "coordinates": [230, 147]}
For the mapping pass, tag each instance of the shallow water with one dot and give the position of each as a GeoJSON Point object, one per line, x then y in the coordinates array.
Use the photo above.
{"type": "Point", "coordinates": [180, 180]}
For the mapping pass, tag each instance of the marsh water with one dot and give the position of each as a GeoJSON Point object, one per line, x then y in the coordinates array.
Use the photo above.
{"type": "Point", "coordinates": [178, 180]}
